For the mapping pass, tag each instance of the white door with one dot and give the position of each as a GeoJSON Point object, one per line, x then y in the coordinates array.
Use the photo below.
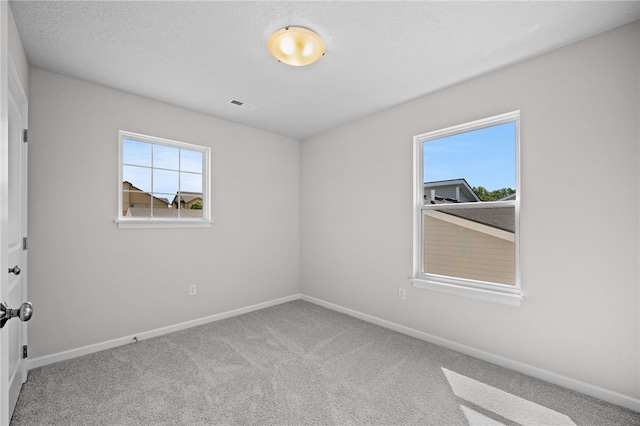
{"type": "Point", "coordinates": [13, 289]}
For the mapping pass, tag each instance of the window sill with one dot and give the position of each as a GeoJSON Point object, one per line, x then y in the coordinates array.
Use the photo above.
{"type": "Point", "coordinates": [162, 223]}
{"type": "Point", "coordinates": [510, 296]}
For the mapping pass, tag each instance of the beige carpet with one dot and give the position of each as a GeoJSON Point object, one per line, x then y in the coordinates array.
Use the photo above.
{"type": "Point", "coordinates": [296, 364]}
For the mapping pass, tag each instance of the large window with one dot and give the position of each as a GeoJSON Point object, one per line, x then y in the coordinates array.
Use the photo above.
{"type": "Point", "coordinates": [162, 183]}
{"type": "Point", "coordinates": [467, 208]}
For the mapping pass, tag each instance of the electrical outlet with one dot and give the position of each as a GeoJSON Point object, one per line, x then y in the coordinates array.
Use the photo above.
{"type": "Point", "coordinates": [192, 290]}
{"type": "Point", "coordinates": [402, 293]}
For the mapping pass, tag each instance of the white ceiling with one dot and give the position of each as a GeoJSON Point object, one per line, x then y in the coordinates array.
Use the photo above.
{"type": "Point", "coordinates": [200, 55]}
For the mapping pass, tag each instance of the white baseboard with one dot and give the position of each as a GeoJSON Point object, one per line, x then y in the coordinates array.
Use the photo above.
{"type": "Point", "coordinates": [548, 376]}
{"type": "Point", "coordinates": [529, 370]}
{"type": "Point", "coordinates": [85, 350]}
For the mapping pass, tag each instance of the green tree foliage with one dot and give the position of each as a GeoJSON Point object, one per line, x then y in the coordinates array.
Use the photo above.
{"type": "Point", "coordinates": [495, 195]}
{"type": "Point", "coordinates": [197, 205]}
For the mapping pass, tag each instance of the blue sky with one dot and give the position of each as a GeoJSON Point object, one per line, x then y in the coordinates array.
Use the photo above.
{"type": "Point", "coordinates": [484, 157]}
{"type": "Point", "coordinates": [173, 168]}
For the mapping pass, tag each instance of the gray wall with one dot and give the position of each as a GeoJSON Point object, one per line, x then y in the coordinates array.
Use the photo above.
{"type": "Point", "coordinates": [90, 281]}
{"type": "Point", "coordinates": [579, 254]}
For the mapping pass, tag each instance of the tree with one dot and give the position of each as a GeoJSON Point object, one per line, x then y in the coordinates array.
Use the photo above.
{"type": "Point", "coordinates": [494, 195]}
{"type": "Point", "coordinates": [197, 205]}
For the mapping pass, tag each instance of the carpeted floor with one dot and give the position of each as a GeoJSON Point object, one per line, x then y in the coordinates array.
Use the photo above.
{"type": "Point", "coordinates": [296, 364]}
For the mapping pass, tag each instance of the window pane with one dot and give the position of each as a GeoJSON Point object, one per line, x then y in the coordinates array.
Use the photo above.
{"type": "Point", "coordinates": [136, 204]}
{"type": "Point", "coordinates": [165, 157]}
{"type": "Point", "coordinates": [161, 205]}
{"type": "Point", "coordinates": [190, 161]}
{"type": "Point", "coordinates": [192, 213]}
{"type": "Point", "coordinates": [161, 179]}
{"type": "Point", "coordinates": [191, 182]}
{"type": "Point", "coordinates": [137, 177]}
{"type": "Point", "coordinates": [191, 206]}
{"type": "Point", "coordinates": [165, 181]}
{"type": "Point", "coordinates": [476, 244]}
{"type": "Point", "coordinates": [479, 165]}
{"type": "Point", "coordinates": [136, 153]}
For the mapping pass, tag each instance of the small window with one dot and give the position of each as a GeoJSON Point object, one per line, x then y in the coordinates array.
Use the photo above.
{"type": "Point", "coordinates": [162, 183]}
{"type": "Point", "coordinates": [466, 209]}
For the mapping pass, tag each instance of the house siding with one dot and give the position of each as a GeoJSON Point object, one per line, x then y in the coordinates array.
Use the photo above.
{"type": "Point", "coordinates": [458, 251]}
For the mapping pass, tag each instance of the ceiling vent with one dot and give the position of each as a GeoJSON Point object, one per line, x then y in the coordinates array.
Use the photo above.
{"type": "Point", "coordinates": [243, 105]}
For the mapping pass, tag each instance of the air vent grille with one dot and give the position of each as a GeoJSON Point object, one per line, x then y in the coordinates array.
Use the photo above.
{"type": "Point", "coordinates": [242, 104]}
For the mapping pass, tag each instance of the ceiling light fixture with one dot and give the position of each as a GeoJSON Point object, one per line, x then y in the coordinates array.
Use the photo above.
{"type": "Point", "coordinates": [296, 46]}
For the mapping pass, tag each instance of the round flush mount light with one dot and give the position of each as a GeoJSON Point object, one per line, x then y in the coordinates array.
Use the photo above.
{"type": "Point", "coordinates": [296, 46]}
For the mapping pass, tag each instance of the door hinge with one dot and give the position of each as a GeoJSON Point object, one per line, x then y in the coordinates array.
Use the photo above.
{"type": "Point", "coordinates": [25, 135]}
{"type": "Point", "coordinates": [24, 352]}
{"type": "Point", "coordinates": [25, 243]}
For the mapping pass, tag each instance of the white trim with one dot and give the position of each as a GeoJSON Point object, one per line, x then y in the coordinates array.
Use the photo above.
{"type": "Point", "coordinates": [5, 416]}
{"type": "Point", "coordinates": [470, 126]}
{"type": "Point", "coordinates": [14, 81]}
{"type": "Point", "coordinates": [538, 373]}
{"type": "Point", "coordinates": [153, 223]}
{"type": "Point", "coordinates": [85, 350]}
{"type": "Point", "coordinates": [18, 95]}
{"type": "Point", "coordinates": [418, 202]}
{"type": "Point", "coordinates": [451, 286]}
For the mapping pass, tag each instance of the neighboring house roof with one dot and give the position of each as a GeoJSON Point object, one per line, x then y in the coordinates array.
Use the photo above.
{"type": "Point", "coordinates": [445, 191]}
{"type": "Point", "coordinates": [510, 197]}
{"type": "Point", "coordinates": [162, 212]}
{"type": "Point", "coordinates": [134, 188]}
{"type": "Point", "coordinates": [187, 197]}
{"type": "Point", "coordinates": [497, 217]}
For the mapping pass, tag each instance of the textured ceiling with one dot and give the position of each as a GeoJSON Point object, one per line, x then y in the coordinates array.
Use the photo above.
{"type": "Point", "coordinates": [200, 55]}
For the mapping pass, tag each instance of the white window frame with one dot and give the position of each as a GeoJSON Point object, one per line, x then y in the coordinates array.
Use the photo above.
{"type": "Point", "coordinates": [155, 222]}
{"type": "Point", "coordinates": [495, 292]}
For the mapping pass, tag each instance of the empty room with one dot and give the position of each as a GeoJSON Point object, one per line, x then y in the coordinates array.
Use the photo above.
{"type": "Point", "coordinates": [320, 212]}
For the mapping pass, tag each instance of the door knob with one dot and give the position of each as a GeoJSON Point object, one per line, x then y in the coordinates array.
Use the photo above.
{"type": "Point", "coordinates": [24, 312]}
{"type": "Point", "coordinates": [15, 270]}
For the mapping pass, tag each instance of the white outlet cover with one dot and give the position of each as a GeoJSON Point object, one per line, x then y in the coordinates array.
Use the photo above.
{"type": "Point", "coordinates": [402, 294]}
